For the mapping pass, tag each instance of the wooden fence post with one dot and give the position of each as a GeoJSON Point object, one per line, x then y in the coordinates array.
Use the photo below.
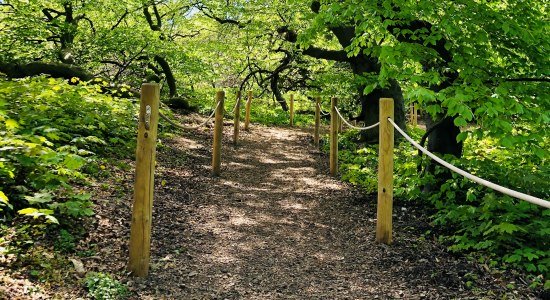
{"type": "Point", "coordinates": [333, 137]}
{"type": "Point", "coordinates": [317, 121]}
{"type": "Point", "coordinates": [291, 110]}
{"type": "Point", "coordinates": [140, 230]}
{"type": "Point", "coordinates": [237, 119]}
{"type": "Point", "coordinates": [247, 111]}
{"type": "Point", "coordinates": [415, 115]}
{"type": "Point", "coordinates": [385, 174]}
{"type": "Point", "coordinates": [218, 132]}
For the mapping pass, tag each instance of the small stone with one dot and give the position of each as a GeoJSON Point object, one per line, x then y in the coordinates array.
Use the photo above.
{"type": "Point", "coordinates": [78, 267]}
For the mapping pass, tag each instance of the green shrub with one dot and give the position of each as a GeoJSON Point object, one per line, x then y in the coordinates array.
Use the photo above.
{"type": "Point", "coordinates": [50, 130]}
{"type": "Point", "coordinates": [102, 286]}
{"type": "Point", "coordinates": [500, 231]}
{"type": "Point", "coordinates": [65, 241]}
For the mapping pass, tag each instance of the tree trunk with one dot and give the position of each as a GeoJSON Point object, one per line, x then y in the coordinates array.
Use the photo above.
{"type": "Point", "coordinates": [370, 105]}
{"type": "Point", "coordinates": [441, 140]}
{"type": "Point", "coordinates": [56, 70]}
{"type": "Point", "coordinates": [277, 93]}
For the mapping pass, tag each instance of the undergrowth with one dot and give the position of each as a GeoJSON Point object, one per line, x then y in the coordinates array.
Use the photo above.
{"type": "Point", "coordinates": [103, 286]}
{"type": "Point", "coordinates": [495, 229]}
{"type": "Point", "coordinates": [263, 109]}
{"type": "Point", "coordinates": [54, 136]}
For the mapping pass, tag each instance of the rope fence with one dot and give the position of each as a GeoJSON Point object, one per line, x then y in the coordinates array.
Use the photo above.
{"type": "Point", "coordinates": [353, 126]}
{"type": "Point", "coordinates": [491, 185]}
{"type": "Point", "coordinates": [385, 165]}
{"type": "Point", "coordinates": [182, 127]}
{"type": "Point", "coordinates": [321, 110]}
{"type": "Point", "coordinates": [140, 233]}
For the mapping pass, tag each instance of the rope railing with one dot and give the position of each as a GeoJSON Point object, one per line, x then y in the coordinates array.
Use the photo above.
{"type": "Point", "coordinates": [322, 112]}
{"type": "Point", "coordinates": [353, 126]}
{"type": "Point", "coordinates": [491, 185]}
{"type": "Point", "coordinates": [182, 127]}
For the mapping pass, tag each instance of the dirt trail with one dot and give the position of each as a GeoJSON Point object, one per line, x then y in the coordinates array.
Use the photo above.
{"type": "Point", "coordinates": [275, 226]}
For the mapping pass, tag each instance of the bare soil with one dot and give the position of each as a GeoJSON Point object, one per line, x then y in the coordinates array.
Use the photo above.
{"type": "Point", "coordinates": [274, 225]}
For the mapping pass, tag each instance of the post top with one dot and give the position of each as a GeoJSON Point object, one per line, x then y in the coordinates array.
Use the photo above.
{"type": "Point", "coordinates": [386, 99]}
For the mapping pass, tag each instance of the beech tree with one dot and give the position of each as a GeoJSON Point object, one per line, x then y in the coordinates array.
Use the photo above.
{"type": "Point", "coordinates": [474, 65]}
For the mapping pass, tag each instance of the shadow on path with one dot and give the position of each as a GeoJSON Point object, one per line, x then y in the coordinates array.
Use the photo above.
{"type": "Point", "coordinates": [274, 226]}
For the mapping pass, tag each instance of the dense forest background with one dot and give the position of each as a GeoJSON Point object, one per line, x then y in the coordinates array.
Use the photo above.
{"type": "Point", "coordinates": [70, 73]}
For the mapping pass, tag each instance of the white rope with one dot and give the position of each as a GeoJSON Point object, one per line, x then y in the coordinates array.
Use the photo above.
{"type": "Point", "coordinates": [191, 127]}
{"type": "Point", "coordinates": [504, 190]}
{"type": "Point", "coordinates": [321, 111]}
{"type": "Point", "coordinates": [355, 127]}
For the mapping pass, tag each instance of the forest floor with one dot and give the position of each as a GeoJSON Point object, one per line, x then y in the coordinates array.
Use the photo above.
{"type": "Point", "coordinates": [274, 225]}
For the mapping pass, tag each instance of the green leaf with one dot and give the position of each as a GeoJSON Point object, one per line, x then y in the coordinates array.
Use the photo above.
{"type": "Point", "coordinates": [4, 201]}
{"type": "Point", "coordinates": [35, 213]}
{"type": "Point", "coordinates": [507, 227]}
{"type": "Point", "coordinates": [4, 198]}
{"type": "Point", "coordinates": [73, 162]}
{"type": "Point", "coordinates": [462, 136]}
{"type": "Point", "coordinates": [513, 258]}
{"type": "Point", "coordinates": [460, 122]}
{"type": "Point", "coordinates": [11, 124]}
{"type": "Point", "coordinates": [530, 255]}
{"type": "Point", "coordinates": [38, 198]}
{"type": "Point", "coordinates": [507, 142]}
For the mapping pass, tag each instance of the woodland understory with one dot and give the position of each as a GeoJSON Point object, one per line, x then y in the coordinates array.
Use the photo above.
{"type": "Point", "coordinates": [70, 78]}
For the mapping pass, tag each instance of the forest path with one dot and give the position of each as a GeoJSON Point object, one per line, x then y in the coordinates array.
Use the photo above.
{"type": "Point", "coordinates": [274, 225]}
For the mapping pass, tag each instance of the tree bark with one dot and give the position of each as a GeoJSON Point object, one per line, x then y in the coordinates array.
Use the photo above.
{"type": "Point", "coordinates": [170, 80]}
{"type": "Point", "coordinates": [57, 70]}
{"type": "Point", "coordinates": [360, 65]}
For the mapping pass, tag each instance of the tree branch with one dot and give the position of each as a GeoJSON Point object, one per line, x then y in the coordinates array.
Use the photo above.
{"type": "Point", "coordinates": [529, 79]}
{"type": "Point", "coordinates": [207, 12]}
{"type": "Point", "coordinates": [149, 18]}
{"type": "Point", "coordinates": [120, 20]}
{"type": "Point", "coordinates": [83, 17]}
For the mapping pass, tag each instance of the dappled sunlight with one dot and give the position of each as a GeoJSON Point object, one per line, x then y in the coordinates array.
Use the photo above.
{"type": "Point", "coordinates": [321, 185]}
{"type": "Point", "coordinates": [269, 160]}
{"type": "Point", "coordinates": [222, 255]}
{"type": "Point", "coordinates": [325, 257]}
{"type": "Point", "coordinates": [241, 220]}
{"type": "Point", "coordinates": [189, 143]}
{"type": "Point", "coordinates": [287, 204]}
{"type": "Point", "coordinates": [236, 165]}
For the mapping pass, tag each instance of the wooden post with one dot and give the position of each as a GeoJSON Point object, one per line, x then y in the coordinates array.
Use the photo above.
{"type": "Point", "coordinates": [411, 113]}
{"type": "Point", "coordinates": [385, 174]}
{"type": "Point", "coordinates": [247, 111]}
{"type": "Point", "coordinates": [317, 121]}
{"type": "Point", "coordinates": [140, 230]}
{"type": "Point", "coordinates": [333, 137]}
{"type": "Point", "coordinates": [218, 132]}
{"type": "Point", "coordinates": [237, 119]}
{"type": "Point", "coordinates": [415, 115]}
{"type": "Point", "coordinates": [291, 110]}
